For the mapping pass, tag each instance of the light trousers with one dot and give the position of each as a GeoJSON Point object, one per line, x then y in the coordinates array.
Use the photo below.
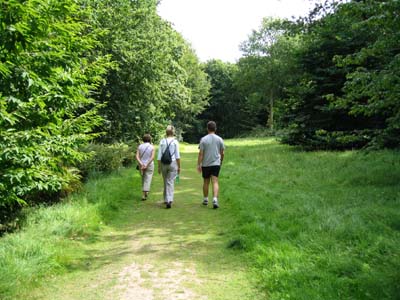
{"type": "Point", "coordinates": [147, 176]}
{"type": "Point", "coordinates": [169, 173]}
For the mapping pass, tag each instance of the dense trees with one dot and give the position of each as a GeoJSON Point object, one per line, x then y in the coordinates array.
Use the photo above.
{"type": "Point", "coordinates": [47, 72]}
{"type": "Point", "coordinates": [226, 105]}
{"type": "Point", "coordinates": [334, 74]}
{"type": "Point", "coordinates": [75, 70]}
{"type": "Point", "coordinates": [156, 79]}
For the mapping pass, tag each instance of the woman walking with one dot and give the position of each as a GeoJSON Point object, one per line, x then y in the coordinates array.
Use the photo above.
{"type": "Point", "coordinates": [145, 159]}
{"type": "Point", "coordinates": [169, 164]}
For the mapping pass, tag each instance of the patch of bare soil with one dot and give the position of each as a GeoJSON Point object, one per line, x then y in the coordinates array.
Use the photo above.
{"type": "Point", "coordinates": [147, 282]}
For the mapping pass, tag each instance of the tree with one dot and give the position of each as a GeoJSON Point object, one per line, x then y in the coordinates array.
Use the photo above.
{"type": "Point", "coordinates": [267, 67]}
{"type": "Point", "coordinates": [199, 86]}
{"type": "Point", "coordinates": [372, 87]}
{"type": "Point", "coordinates": [47, 74]}
{"type": "Point", "coordinates": [150, 85]}
{"type": "Point", "coordinates": [315, 115]}
{"type": "Point", "coordinates": [226, 106]}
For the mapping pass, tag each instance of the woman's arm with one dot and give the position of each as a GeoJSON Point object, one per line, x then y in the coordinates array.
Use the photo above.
{"type": "Point", "coordinates": [151, 156]}
{"type": "Point", "coordinates": [138, 156]}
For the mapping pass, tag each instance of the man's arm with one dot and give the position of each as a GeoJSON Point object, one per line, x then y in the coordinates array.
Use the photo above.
{"type": "Point", "coordinates": [222, 153]}
{"type": "Point", "coordinates": [199, 160]}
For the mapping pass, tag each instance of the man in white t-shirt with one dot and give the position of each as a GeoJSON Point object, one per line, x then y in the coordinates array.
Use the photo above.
{"type": "Point", "coordinates": [211, 155]}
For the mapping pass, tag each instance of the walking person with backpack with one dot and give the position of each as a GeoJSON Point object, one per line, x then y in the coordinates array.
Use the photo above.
{"type": "Point", "coordinates": [169, 164]}
{"type": "Point", "coordinates": [211, 155]}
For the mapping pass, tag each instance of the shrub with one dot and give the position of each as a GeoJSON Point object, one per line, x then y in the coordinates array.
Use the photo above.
{"type": "Point", "coordinates": [106, 158]}
{"type": "Point", "coordinates": [48, 70]}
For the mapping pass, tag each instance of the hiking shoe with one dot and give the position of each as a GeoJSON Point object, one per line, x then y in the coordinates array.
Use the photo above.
{"type": "Point", "coordinates": [205, 202]}
{"type": "Point", "coordinates": [169, 204]}
{"type": "Point", "coordinates": [215, 205]}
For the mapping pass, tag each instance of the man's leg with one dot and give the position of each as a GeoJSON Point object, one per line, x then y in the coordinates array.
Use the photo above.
{"type": "Point", "coordinates": [215, 191]}
{"type": "Point", "coordinates": [206, 184]}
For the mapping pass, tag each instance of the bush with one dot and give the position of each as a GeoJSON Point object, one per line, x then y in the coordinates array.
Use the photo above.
{"type": "Point", "coordinates": [48, 71]}
{"type": "Point", "coordinates": [106, 158]}
{"type": "Point", "coordinates": [328, 140]}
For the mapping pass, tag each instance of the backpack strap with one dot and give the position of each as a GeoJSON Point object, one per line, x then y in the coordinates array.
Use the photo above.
{"type": "Point", "coordinates": [140, 156]}
{"type": "Point", "coordinates": [168, 147]}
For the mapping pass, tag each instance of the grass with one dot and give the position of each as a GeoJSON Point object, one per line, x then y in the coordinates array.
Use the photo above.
{"type": "Point", "coordinates": [127, 234]}
{"type": "Point", "coordinates": [318, 225]}
{"type": "Point", "coordinates": [53, 239]}
{"type": "Point", "coordinates": [313, 225]}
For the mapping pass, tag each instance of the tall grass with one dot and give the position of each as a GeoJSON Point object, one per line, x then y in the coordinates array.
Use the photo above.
{"type": "Point", "coordinates": [53, 238]}
{"type": "Point", "coordinates": [318, 225]}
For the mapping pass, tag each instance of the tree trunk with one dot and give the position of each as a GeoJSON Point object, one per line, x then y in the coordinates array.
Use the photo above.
{"type": "Point", "coordinates": [271, 111]}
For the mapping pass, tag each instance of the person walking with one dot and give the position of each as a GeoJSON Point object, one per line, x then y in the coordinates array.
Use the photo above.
{"type": "Point", "coordinates": [209, 161]}
{"type": "Point", "coordinates": [169, 164]}
{"type": "Point", "coordinates": [145, 159]}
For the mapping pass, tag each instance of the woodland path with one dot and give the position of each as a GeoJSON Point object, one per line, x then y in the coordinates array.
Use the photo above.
{"type": "Point", "coordinates": [153, 253]}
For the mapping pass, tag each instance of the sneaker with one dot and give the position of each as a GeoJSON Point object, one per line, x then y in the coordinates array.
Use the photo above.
{"type": "Point", "coordinates": [215, 205]}
{"type": "Point", "coordinates": [169, 204]}
{"type": "Point", "coordinates": [205, 202]}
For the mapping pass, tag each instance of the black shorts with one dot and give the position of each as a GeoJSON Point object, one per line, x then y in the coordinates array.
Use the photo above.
{"type": "Point", "coordinates": [207, 172]}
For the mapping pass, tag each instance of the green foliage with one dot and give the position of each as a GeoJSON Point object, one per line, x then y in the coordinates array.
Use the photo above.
{"type": "Point", "coordinates": [199, 84]}
{"type": "Point", "coordinates": [226, 106]}
{"type": "Point", "coordinates": [349, 84]}
{"type": "Point", "coordinates": [106, 158]}
{"type": "Point", "coordinates": [318, 225]}
{"type": "Point", "coordinates": [46, 76]}
{"type": "Point", "coordinates": [267, 69]}
{"type": "Point", "coordinates": [372, 85]}
{"type": "Point", "coordinates": [331, 79]}
{"type": "Point", "coordinates": [66, 65]}
{"type": "Point", "coordinates": [156, 79]}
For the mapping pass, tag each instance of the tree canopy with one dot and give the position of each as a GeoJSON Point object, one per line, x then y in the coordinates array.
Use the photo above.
{"type": "Point", "coordinates": [77, 70]}
{"type": "Point", "coordinates": [333, 75]}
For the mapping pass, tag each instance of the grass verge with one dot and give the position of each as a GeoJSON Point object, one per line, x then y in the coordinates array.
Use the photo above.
{"type": "Point", "coordinates": [53, 239]}
{"type": "Point", "coordinates": [318, 225]}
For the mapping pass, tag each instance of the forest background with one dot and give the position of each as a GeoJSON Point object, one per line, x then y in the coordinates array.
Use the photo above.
{"type": "Point", "coordinates": [83, 80]}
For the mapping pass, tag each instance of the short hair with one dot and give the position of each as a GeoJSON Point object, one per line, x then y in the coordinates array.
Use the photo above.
{"type": "Point", "coordinates": [146, 138]}
{"type": "Point", "coordinates": [170, 131]}
{"type": "Point", "coordinates": [211, 126]}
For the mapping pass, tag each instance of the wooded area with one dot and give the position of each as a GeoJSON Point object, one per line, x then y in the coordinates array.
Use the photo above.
{"type": "Point", "coordinates": [79, 71]}
{"type": "Point", "coordinates": [327, 81]}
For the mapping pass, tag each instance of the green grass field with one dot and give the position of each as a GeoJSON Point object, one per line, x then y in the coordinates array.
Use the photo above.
{"type": "Point", "coordinates": [318, 225]}
{"type": "Point", "coordinates": [293, 224]}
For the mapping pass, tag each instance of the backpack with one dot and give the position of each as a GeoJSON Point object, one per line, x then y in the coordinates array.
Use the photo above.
{"type": "Point", "coordinates": [166, 157]}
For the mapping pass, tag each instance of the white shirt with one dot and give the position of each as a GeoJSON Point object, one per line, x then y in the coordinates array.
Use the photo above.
{"type": "Point", "coordinates": [173, 148]}
{"type": "Point", "coordinates": [145, 151]}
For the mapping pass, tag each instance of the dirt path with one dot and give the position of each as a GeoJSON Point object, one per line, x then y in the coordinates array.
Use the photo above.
{"type": "Point", "coordinates": [157, 254]}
